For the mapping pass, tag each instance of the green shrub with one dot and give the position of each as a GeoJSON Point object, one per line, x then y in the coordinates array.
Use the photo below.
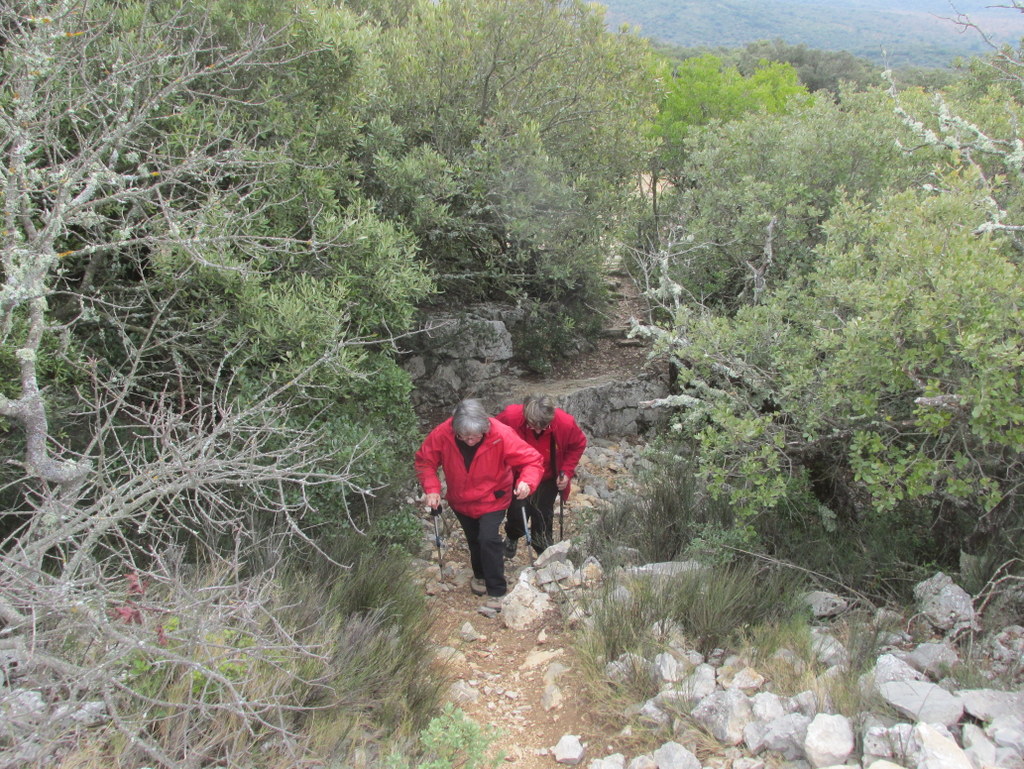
{"type": "Point", "coordinates": [452, 741]}
{"type": "Point", "coordinates": [869, 554]}
{"type": "Point", "coordinates": [622, 620]}
{"type": "Point", "coordinates": [400, 529]}
{"type": "Point", "coordinates": [547, 332]}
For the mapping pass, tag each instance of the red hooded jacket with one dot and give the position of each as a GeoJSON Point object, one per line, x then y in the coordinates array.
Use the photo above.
{"type": "Point", "coordinates": [570, 442]}
{"type": "Point", "coordinates": [486, 486]}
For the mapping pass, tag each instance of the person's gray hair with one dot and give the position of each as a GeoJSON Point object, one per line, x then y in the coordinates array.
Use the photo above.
{"type": "Point", "coordinates": [470, 418]}
{"type": "Point", "coordinates": [539, 409]}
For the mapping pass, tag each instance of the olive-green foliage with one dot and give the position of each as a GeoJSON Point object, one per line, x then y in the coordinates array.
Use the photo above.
{"type": "Point", "coordinates": [451, 740]}
{"type": "Point", "coordinates": [991, 78]}
{"type": "Point", "coordinates": [401, 529]}
{"type": "Point", "coordinates": [211, 302]}
{"type": "Point", "coordinates": [818, 70]}
{"type": "Point", "coordinates": [865, 553]}
{"type": "Point", "coordinates": [329, 280]}
{"type": "Point", "coordinates": [757, 190]}
{"type": "Point", "coordinates": [357, 276]}
{"type": "Point", "coordinates": [531, 114]}
{"type": "Point", "coordinates": [852, 379]}
{"type": "Point", "coordinates": [892, 360]}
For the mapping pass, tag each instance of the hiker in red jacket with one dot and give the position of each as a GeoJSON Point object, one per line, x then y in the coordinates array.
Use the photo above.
{"type": "Point", "coordinates": [480, 458]}
{"type": "Point", "coordinates": [559, 440]}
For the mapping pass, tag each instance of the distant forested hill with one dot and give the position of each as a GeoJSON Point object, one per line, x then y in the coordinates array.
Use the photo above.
{"type": "Point", "coordinates": [897, 32]}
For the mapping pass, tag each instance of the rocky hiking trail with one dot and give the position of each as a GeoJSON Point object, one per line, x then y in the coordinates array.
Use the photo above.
{"type": "Point", "coordinates": [503, 676]}
{"type": "Point", "coordinates": [521, 674]}
{"type": "Point", "coordinates": [527, 683]}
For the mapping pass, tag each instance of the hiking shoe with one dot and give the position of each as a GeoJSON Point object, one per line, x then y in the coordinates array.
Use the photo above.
{"type": "Point", "coordinates": [493, 603]}
{"type": "Point", "coordinates": [510, 548]}
{"type": "Point", "coordinates": [477, 586]}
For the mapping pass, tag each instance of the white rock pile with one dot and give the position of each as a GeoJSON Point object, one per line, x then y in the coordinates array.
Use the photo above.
{"type": "Point", "coordinates": [924, 722]}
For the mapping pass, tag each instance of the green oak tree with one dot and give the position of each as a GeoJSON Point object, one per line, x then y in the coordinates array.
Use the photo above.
{"type": "Point", "coordinates": [759, 188]}
{"type": "Point", "coordinates": [703, 90]}
{"type": "Point", "coordinates": [868, 402]}
{"type": "Point", "coordinates": [514, 127]}
{"type": "Point", "coordinates": [879, 387]}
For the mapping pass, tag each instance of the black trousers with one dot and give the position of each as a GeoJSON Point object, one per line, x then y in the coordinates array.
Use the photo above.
{"type": "Point", "coordinates": [486, 549]}
{"type": "Point", "coordinates": [540, 510]}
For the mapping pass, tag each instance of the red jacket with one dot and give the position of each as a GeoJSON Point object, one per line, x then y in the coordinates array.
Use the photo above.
{"type": "Point", "coordinates": [487, 486]}
{"type": "Point", "coordinates": [570, 442]}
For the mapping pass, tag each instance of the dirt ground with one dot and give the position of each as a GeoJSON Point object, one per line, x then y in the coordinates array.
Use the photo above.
{"type": "Point", "coordinates": [508, 668]}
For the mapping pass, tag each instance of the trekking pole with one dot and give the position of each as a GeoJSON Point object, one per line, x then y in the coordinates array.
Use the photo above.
{"type": "Point", "coordinates": [526, 528]}
{"type": "Point", "coordinates": [435, 513]}
{"type": "Point", "coordinates": [561, 509]}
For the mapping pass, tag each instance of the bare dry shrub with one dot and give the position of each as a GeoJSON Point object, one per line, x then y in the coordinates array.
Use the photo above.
{"type": "Point", "coordinates": [152, 499]}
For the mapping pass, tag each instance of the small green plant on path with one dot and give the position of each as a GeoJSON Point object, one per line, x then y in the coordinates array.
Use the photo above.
{"type": "Point", "coordinates": [453, 741]}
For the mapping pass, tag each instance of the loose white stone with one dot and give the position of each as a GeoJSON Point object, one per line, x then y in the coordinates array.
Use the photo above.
{"type": "Point", "coordinates": [932, 658]}
{"type": "Point", "coordinates": [978, 747]}
{"type": "Point", "coordinates": [667, 668]}
{"type": "Point", "coordinates": [930, 749]}
{"type": "Point", "coordinates": [786, 735]}
{"type": "Point", "coordinates": [537, 658]}
{"type": "Point", "coordinates": [824, 604]}
{"type": "Point", "coordinates": [614, 761]}
{"type": "Point", "coordinates": [945, 605]}
{"type": "Point", "coordinates": [747, 680]}
{"type": "Point", "coordinates": [672, 755]}
{"type": "Point", "coordinates": [569, 750]}
{"type": "Point", "coordinates": [461, 693]}
{"type": "Point", "coordinates": [469, 633]}
{"type": "Point", "coordinates": [986, 704]}
{"type": "Point", "coordinates": [767, 706]}
{"type": "Point", "coordinates": [724, 713]}
{"type": "Point", "coordinates": [923, 701]}
{"type": "Point", "coordinates": [829, 740]}
{"type": "Point", "coordinates": [552, 698]}
{"type": "Point", "coordinates": [1007, 731]}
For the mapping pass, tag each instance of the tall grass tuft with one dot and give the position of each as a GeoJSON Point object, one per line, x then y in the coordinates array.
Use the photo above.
{"type": "Point", "coordinates": [713, 606]}
{"type": "Point", "coordinates": [670, 516]}
{"type": "Point", "coordinates": [636, 617]}
{"type": "Point", "coordinates": [382, 682]}
{"type": "Point", "coordinates": [716, 605]}
{"type": "Point", "coordinates": [798, 669]}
